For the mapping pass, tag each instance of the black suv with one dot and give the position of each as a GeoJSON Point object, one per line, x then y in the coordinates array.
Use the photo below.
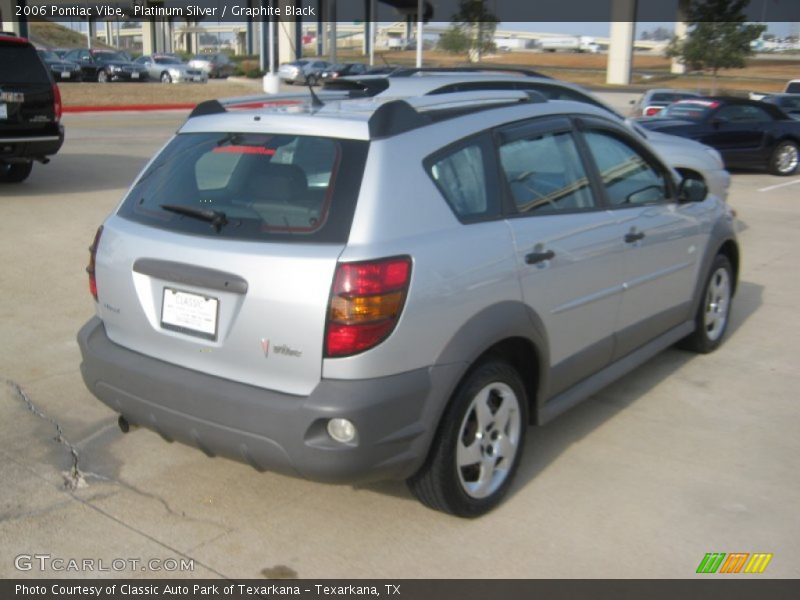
{"type": "Point", "coordinates": [30, 110]}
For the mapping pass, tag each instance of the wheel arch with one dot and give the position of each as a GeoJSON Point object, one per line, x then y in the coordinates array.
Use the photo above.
{"type": "Point", "coordinates": [512, 332]}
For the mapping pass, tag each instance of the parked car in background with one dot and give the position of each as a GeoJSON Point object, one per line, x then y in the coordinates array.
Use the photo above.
{"type": "Point", "coordinates": [216, 66]}
{"type": "Point", "coordinates": [747, 133]}
{"type": "Point", "coordinates": [344, 70]}
{"type": "Point", "coordinates": [792, 87]}
{"type": "Point", "coordinates": [653, 101]}
{"type": "Point", "coordinates": [30, 110]}
{"type": "Point", "coordinates": [105, 65]}
{"type": "Point", "coordinates": [168, 69]}
{"type": "Point", "coordinates": [270, 291]}
{"type": "Point", "coordinates": [300, 71]}
{"type": "Point", "coordinates": [60, 69]}
{"type": "Point", "coordinates": [788, 103]}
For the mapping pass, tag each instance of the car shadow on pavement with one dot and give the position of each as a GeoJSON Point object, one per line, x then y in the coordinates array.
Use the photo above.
{"type": "Point", "coordinates": [69, 173]}
{"type": "Point", "coordinates": [546, 444]}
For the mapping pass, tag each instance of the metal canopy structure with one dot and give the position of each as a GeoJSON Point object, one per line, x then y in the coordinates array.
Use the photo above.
{"type": "Point", "coordinates": [158, 35]}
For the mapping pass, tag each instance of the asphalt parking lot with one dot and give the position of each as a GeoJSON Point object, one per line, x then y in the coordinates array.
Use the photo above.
{"type": "Point", "coordinates": [687, 455]}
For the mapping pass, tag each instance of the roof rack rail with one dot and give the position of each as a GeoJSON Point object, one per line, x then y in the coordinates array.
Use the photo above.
{"type": "Point", "coordinates": [409, 71]}
{"type": "Point", "coordinates": [398, 116]}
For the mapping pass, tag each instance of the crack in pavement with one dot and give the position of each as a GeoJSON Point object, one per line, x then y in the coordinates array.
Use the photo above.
{"type": "Point", "coordinates": [74, 478]}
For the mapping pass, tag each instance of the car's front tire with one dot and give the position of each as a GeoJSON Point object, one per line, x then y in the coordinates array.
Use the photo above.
{"type": "Point", "coordinates": [15, 172]}
{"type": "Point", "coordinates": [103, 77]}
{"type": "Point", "coordinates": [713, 314]}
{"type": "Point", "coordinates": [477, 448]}
{"type": "Point", "coordinates": [785, 158]}
{"type": "Point", "coordinates": [166, 77]}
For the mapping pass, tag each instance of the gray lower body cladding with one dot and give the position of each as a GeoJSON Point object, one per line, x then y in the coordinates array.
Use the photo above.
{"type": "Point", "coordinates": [395, 416]}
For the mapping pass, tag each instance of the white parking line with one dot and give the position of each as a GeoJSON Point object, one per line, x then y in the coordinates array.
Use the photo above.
{"type": "Point", "coordinates": [779, 185]}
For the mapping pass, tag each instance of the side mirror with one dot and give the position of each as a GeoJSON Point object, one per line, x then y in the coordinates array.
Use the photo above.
{"type": "Point", "coordinates": [692, 190]}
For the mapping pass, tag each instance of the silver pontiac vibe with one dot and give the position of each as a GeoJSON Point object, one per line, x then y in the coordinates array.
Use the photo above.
{"type": "Point", "coordinates": [385, 288]}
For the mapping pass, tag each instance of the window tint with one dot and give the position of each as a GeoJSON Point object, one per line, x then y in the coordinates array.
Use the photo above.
{"type": "Point", "coordinates": [266, 185]}
{"type": "Point", "coordinates": [461, 177]}
{"type": "Point", "coordinates": [545, 174]}
{"type": "Point", "coordinates": [21, 64]}
{"type": "Point", "coordinates": [628, 178]}
{"type": "Point", "coordinates": [742, 113]}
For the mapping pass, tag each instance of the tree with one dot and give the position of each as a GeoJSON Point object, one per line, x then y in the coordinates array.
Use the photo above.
{"type": "Point", "coordinates": [475, 25]}
{"type": "Point", "coordinates": [454, 40]}
{"type": "Point", "coordinates": [718, 37]}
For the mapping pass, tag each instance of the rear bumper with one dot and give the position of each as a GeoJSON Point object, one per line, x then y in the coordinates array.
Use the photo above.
{"type": "Point", "coordinates": [396, 416]}
{"type": "Point", "coordinates": [30, 146]}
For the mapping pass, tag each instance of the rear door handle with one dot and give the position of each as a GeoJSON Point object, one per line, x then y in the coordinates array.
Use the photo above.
{"type": "Point", "coordinates": [632, 237]}
{"type": "Point", "coordinates": [537, 257]}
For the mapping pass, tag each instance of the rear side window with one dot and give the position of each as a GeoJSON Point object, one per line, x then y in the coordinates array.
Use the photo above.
{"type": "Point", "coordinates": [545, 174]}
{"type": "Point", "coordinates": [286, 187]}
{"type": "Point", "coordinates": [793, 87]}
{"type": "Point", "coordinates": [466, 181]}
{"type": "Point", "coordinates": [21, 64]}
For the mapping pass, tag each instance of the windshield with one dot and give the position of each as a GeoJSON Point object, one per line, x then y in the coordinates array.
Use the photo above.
{"type": "Point", "coordinates": [109, 57]}
{"type": "Point", "coordinates": [789, 103]}
{"type": "Point", "coordinates": [167, 60]}
{"type": "Point", "coordinates": [692, 110]}
{"type": "Point", "coordinates": [47, 55]}
{"type": "Point", "coordinates": [287, 187]}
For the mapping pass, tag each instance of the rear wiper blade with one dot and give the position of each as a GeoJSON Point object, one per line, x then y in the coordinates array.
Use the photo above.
{"type": "Point", "coordinates": [217, 218]}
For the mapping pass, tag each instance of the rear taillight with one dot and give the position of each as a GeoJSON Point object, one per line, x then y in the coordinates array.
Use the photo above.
{"type": "Point", "coordinates": [651, 111]}
{"type": "Point", "coordinates": [366, 301]}
{"type": "Point", "coordinates": [90, 269]}
{"type": "Point", "coordinates": [57, 107]}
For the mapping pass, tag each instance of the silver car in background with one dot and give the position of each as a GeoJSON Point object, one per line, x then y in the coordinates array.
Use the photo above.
{"type": "Point", "coordinates": [300, 71]}
{"type": "Point", "coordinates": [170, 69]}
{"type": "Point", "coordinates": [688, 157]}
{"type": "Point", "coordinates": [216, 66]}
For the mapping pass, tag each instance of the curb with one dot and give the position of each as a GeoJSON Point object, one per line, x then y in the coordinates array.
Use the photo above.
{"type": "Point", "coordinates": [128, 107]}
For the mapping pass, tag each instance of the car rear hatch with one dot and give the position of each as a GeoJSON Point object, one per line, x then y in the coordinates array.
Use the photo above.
{"type": "Point", "coordinates": [222, 256]}
{"type": "Point", "coordinates": [27, 106]}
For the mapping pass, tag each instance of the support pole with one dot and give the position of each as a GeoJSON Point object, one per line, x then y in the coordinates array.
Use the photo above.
{"type": "Point", "coordinates": [620, 51]}
{"type": "Point", "coordinates": [420, 15]}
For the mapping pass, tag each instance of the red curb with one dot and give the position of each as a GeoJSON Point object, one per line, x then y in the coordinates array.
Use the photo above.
{"type": "Point", "coordinates": [128, 107]}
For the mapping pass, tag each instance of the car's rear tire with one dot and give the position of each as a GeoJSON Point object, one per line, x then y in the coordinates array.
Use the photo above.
{"type": "Point", "coordinates": [713, 314]}
{"type": "Point", "coordinates": [102, 77]}
{"type": "Point", "coordinates": [166, 77]}
{"type": "Point", "coordinates": [476, 451]}
{"type": "Point", "coordinates": [785, 158]}
{"type": "Point", "coordinates": [15, 172]}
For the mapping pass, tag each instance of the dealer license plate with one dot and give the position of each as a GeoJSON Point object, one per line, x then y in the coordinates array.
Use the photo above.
{"type": "Point", "coordinates": [134, 75]}
{"type": "Point", "coordinates": [65, 74]}
{"type": "Point", "coordinates": [189, 313]}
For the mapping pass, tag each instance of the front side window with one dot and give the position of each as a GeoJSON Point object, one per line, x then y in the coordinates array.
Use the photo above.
{"type": "Point", "coordinates": [251, 186]}
{"type": "Point", "coordinates": [545, 174]}
{"type": "Point", "coordinates": [628, 178]}
{"type": "Point", "coordinates": [461, 176]}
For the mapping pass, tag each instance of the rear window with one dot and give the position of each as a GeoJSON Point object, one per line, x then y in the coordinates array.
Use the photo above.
{"type": "Point", "coordinates": [251, 186]}
{"type": "Point", "coordinates": [21, 64]}
{"type": "Point", "coordinates": [668, 97]}
{"type": "Point", "coordinates": [693, 110]}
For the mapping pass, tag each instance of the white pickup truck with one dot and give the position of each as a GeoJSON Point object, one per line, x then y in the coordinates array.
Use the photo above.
{"type": "Point", "coordinates": [792, 87]}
